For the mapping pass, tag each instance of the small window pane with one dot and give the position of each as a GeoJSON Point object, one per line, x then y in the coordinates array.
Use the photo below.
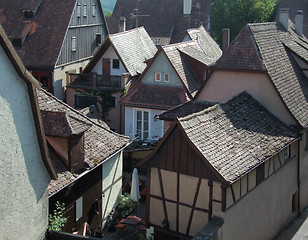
{"type": "Point", "coordinates": [157, 77]}
{"type": "Point", "coordinates": [93, 10]}
{"type": "Point", "coordinates": [166, 77]}
{"type": "Point", "coordinates": [85, 10]}
{"type": "Point", "coordinates": [116, 64]}
{"type": "Point", "coordinates": [74, 44]}
{"type": "Point", "coordinates": [79, 209]}
{"type": "Point", "coordinates": [78, 10]}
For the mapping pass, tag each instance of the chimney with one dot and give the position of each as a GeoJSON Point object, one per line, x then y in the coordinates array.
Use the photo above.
{"type": "Point", "coordinates": [187, 7]}
{"type": "Point", "coordinates": [225, 39]}
{"type": "Point", "coordinates": [122, 24]}
{"type": "Point", "coordinates": [284, 17]}
{"type": "Point", "coordinates": [299, 19]}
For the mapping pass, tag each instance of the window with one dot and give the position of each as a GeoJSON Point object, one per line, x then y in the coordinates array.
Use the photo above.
{"type": "Point", "coordinates": [164, 41]}
{"type": "Point", "coordinates": [142, 125]}
{"type": "Point", "coordinates": [287, 153]}
{"type": "Point", "coordinates": [116, 64]}
{"type": "Point", "coordinates": [93, 10]}
{"type": "Point", "coordinates": [83, 100]}
{"type": "Point", "coordinates": [74, 41]}
{"type": "Point", "coordinates": [98, 39]}
{"type": "Point", "coordinates": [85, 10]}
{"type": "Point", "coordinates": [157, 41]}
{"type": "Point", "coordinates": [78, 10]}
{"type": "Point", "coordinates": [166, 77]}
{"type": "Point", "coordinates": [78, 207]}
{"type": "Point", "coordinates": [157, 77]}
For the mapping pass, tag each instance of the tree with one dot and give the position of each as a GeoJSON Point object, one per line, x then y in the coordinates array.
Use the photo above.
{"type": "Point", "coordinates": [235, 14]}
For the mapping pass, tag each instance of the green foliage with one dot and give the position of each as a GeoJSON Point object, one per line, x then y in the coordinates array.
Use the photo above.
{"type": "Point", "coordinates": [235, 14]}
{"type": "Point", "coordinates": [57, 220]}
{"type": "Point", "coordinates": [126, 205]}
{"type": "Point", "coordinates": [108, 14]}
{"type": "Point", "coordinates": [108, 5]}
{"type": "Point", "coordinates": [142, 237]}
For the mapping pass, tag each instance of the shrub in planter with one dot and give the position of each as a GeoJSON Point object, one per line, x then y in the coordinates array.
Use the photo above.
{"type": "Point", "coordinates": [126, 205]}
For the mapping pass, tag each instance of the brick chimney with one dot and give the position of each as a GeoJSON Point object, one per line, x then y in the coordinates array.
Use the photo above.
{"type": "Point", "coordinates": [187, 7]}
{"type": "Point", "coordinates": [284, 17]}
{"type": "Point", "coordinates": [299, 19]}
{"type": "Point", "coordinates": [225, 39]}
{"type": "Point", "coordinates": [122, 24]}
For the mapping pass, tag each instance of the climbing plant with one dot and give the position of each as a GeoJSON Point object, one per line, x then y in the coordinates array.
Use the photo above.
{"type": "Point", "coordinates": [57, 219]}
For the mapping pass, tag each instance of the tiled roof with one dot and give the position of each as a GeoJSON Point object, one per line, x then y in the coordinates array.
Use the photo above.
{"type": "Point", "coordinates": [185, 109]}
{"type": "Point", "coordinates": [268, 47]}
{"type": "Point", "coordinates": [134, 47]}
{"type": "Point", "coordinates": [237, 136]}
{"type": "Point", "coordinates": [99, 143]}
{"type": "Point", "coordinates": [47, 32]}
{"type": "Point", "coordinates": [161, 18]}
{"type": "Point", "coordinates": [208, 44]}
{"type": "Point", "coordinates": [174, 53]}
{"type": "Point", "coordinates": [61, 124]}
{"type": "Point", "coordinates": [152, 96]}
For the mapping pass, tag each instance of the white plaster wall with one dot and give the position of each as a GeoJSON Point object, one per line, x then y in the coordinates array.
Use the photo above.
{"type": "Point", "coordinates": [23, 176]}
{"type": "Point", "coordinates": [223, 85]}
{"type": "Point", "coordinates": [59, 77]}
{"type": "Point", "coordinates": [112, 170]}
{"type": "Point", "coordinates": [161, 64]}
{"type": "Point", "coordinates": [156, 126]}
{"type": "Point", "coordinates": [111, 54]}
{"type": "Point", "coordinates": [264, 211]}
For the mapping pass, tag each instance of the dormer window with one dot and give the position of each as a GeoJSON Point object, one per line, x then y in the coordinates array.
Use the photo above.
{"type": "Point", "coordinates": [157, 77]}
{"type": "Point", "coordinates": [93, 10]}
{"type": "Point", "coordinates": [74, 41]}
{"type": "Point", "coordinates": [85, 10]}
{"type": "Point", "coordinates": [78, 10]}
{"type": "Point", "coordinates": [166, 77]}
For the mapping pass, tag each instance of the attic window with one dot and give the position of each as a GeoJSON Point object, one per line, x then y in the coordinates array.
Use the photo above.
{"type": "Point", "coordinates": [93, 10]}
{"type": "Point", "coordinates": [115, 64]}
{"type": "Point", "coordinates": [78, 10]}
{"type": "Point", "coordinates": [74, 41]}
{"type": "Point", "coordinates": [157, 77]}
{"type": "Point", "coordinates": [166, 77]}
{"type": "Point", "coordinates": [98, 39]}
{"type": "Point", "coordinates": [85, 10]}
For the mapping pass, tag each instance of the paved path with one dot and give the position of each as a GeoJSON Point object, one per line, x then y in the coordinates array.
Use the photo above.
{"type": "Point", "coordinates": [297, 230]}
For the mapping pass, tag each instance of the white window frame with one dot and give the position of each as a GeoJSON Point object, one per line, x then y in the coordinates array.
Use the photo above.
{"type": "Point", "coordinates": [166, 74]}
{"type": "Point", "coordinates": [93, 10]}
{"type": "Point", "coordinates": [85, 10]}
{"type": "Point", "coordinates": [79, 208]}
{"type": "Point", "coordinates": [78, 10]}
{"type": "Point", "coordinates": [135, 119]}
{"type": "Point", "coordinates": [287, 153]}
{"type": "Point", "coordinates": [155, 77]}
{"type": "Point", "coordinates": [74, 44]}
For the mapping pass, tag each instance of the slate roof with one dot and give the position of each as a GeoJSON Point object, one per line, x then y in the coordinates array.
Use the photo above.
{"type": "Point", "coordinates": [267, 47]}
{"type": "Point", "coordinates": [163, 18]}
{"type": "Point", "coordinates": [99, 143]}
{"type": "Point", "coordinates": [237, 136]}
{"type": "Point", "coordinates": [47, 29]}
{"type": "Point", "coordinates": [185, 109]}
{"type": "Point", "coordinates": [133, 48]}
{"type": "Point", "coordinates": [155, 97]}
{"type": "Point", "coordinates": [207, 43]}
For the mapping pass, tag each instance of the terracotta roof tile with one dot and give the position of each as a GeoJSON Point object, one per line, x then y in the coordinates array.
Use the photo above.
{"type": "Point", "coordinates": [99, 144]}
{"type": "Point", "coordinates": [237, 136]}
{"type": "Point", "coordinates": [151, 96]}
{"type": "Point", "coordinates": [161, 18]}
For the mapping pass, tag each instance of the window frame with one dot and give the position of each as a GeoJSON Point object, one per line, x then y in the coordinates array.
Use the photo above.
{"type": "Point", "coordinates": [93, 10]}
{"type": "Point", "coordinates": [74, 44]}
{"type": "Point", "coordinates": [78, 10]}
{"type": "Point", "coordinates": [115, 66]}
{"type": "Point", "coordinates": [78, 209]}
{"type": "Point", "coordinates": [142, 133]}
{"type": "Point", "coordinates": [155, 77]}
{"type": "Point", "coordinates": [166, 74]}
{"type": "Point", "coordinates": [85, 10]}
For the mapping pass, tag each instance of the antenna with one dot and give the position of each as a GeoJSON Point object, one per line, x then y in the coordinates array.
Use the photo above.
{"type": "Point", "coordinates": [136, 14]}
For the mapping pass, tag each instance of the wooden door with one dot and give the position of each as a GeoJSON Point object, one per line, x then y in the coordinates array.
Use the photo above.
{"type": "Point", "coordinates": [106, 66]}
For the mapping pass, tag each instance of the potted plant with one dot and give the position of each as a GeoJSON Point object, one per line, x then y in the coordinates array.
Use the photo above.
{"type": "Point", "coordinates": [111, 222]}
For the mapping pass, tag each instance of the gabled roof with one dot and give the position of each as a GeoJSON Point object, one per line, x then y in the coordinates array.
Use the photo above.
{"type": "Point", "coordinates": [61, 124]}
{"type": "Point", "coordinates": [133, 48]}
{"type": "Point", "coordinates": [185, 109]}
{"type": "Point", "coordinates": [268, 47]}
{"type": "Point", "coordinates": [32, 85]}
{"type": "Point", "coordinates": [155, 97]}
{"type": "Point", "coordinates": [207, 43]}
{"type": "Point", "coordinates": [45, 31]}
{"type": "Point", "coordinates": [99, 143]}
{"type": "Point", "coordinates": [161, 18]}
{"type": "Point", "coordinates": [235, 137]}
{"type": "Point", "coordinates": [165, 97]}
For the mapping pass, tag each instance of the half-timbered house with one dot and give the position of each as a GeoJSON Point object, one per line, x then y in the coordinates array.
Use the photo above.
{"type": "Point", "coordinates": [53, 37]}
{"type": "Point", "coordinates": [88, 161]}
{"type": "Point", "coordinates": [235, 161]}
